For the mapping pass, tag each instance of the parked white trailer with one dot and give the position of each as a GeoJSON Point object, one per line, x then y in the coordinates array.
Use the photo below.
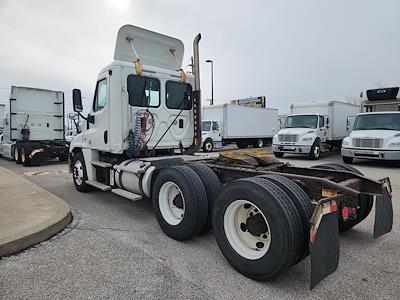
{"type": "Point", "coordinates": [314, 127]}
{"type": "Point", "coordinates": [243, 125]}
{"type": "Point", "coordinates": [140, 142]}
{"type": "Point", "coordinates": [34, 127]}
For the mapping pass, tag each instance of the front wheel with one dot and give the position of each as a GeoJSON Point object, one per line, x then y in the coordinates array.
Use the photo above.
{"type": "Point", "coordinates": [315, 152]}
{"type": "Point", "coordinates": [17, 155]}
{"type": "Point", "coordinates": [242, 145]}
{"type": "Point", "coordinates": [79, 174]}
{"type": "Point", "coordinates": [208, 145]}
{"type": "Point", "coordinates": [347, 159]}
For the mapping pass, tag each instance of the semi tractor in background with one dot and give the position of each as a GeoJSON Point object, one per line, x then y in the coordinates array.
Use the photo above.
{"type": "Point", "coordinates": [34, 127]}
{"type": "Point", "coordinates": [140, 141]}
{"type": "Point", "coordinates": [242, 125]}
{"type": "Point", "coordinates": [313, 128]}
{"type": "Point", "coordinates": [375, 134]}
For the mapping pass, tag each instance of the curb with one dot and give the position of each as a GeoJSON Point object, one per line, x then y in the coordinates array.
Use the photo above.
{"type": "Point", "coordinates": [47, 213]}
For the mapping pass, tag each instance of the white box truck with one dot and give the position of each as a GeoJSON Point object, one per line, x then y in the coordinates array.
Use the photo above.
{"type": "Point", "coordinates": [243, 125]}
{"type": "Point", "coordinates": [313, 127]}
{"type": "Point", "coordinates": [375, 135]}
{"type": "Point", "coordinates": [34, 129]}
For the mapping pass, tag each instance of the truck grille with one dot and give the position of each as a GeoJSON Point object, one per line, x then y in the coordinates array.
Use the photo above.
{"type": "Point", "coordinates": [368, 143]}
{"type": "Point", "coordinates": [288, 138]}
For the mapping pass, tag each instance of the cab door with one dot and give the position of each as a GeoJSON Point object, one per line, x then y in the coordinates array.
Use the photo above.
{"type": "Point", "coordinates": [99, 119]}
{"type": "Point", "coordinates": [323, 132]}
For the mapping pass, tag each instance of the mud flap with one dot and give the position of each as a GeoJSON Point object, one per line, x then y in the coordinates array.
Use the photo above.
{"type": "Point", "coordinates": [383, 210]}
{"type": "Point", "coordinates": [324, 240]}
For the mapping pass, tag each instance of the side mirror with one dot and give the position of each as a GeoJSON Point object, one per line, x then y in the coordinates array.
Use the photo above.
{"type": "Point", "coordinates": [77, 100]}
{"type": "Point", "coordinates": [348, 128]}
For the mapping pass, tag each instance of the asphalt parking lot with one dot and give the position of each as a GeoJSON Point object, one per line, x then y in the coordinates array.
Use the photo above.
{"type": "Point", "coordinates": [117, 250]}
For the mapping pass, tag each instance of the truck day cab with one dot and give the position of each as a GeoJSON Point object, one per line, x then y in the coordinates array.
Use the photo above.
{"type": "Point", "coordinates": [313, 127]}
{"type": "Point", "coordinates": [140, 140]}
{"type": "Point", "coordinates": [242, 125]}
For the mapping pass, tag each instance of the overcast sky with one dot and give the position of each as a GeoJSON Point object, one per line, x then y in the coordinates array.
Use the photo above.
{"type": "Point", "coordinates": [286, 50]}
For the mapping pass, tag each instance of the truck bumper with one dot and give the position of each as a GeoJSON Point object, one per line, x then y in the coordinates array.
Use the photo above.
{"type": "Point", "coordinates": [300, 149]}
{"type": "Point", "coordinates": [371, 154]}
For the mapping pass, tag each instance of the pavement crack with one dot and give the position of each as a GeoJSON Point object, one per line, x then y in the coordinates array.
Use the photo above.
{"type": "Point", "coordinates": [104, 229]}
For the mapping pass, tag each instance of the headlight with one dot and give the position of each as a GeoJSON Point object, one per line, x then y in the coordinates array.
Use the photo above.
{"type": "Point", "coordinates": [345, 143]}
{"type": "Point", "coordinates": [306, 139]}
{"type": "Point", "coordinates": [397, 144]}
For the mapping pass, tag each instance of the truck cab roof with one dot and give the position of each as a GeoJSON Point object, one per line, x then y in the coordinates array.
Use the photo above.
{"type": "Point", "coordinates": [379, 113]}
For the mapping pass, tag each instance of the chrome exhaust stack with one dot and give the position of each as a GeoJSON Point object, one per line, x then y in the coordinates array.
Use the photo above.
{"type": "Point", "coordinates": [197, 140]}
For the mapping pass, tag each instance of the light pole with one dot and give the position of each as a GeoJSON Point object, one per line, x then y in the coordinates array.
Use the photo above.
{"type": "Point", "coordinates": [212, 80]}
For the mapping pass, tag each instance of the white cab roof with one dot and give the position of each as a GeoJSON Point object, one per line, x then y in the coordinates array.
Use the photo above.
{"type": "Point", "coordinates": [153, 49]}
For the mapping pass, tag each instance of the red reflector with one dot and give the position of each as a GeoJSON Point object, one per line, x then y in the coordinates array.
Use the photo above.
{"type": "Point", "coordinates": [333, 207]}
{"type": "Point", "coordinates": [345, 213]}
{"type": "Point", "coordinates": [354, 210]}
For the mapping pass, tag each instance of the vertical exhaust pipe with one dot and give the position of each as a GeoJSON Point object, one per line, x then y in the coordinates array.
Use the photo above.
{"type": "Point", "coordinates": [197, 140]}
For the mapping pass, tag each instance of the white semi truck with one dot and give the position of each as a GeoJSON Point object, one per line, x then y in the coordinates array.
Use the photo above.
{"type": "Point", "coordinates": [313, 127]}
{"type": "Point", "coordinates": [243, 125]}
{"type": "Point", "coordinates": [34, 128]}
{"type": "Point", "coordinates": [140, 142]}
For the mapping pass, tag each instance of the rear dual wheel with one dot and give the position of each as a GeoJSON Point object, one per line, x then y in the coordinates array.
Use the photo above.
{"type": "Point", "coordinates": [258, 227]}
{"type": "Point", "coordinates": [180, 202]}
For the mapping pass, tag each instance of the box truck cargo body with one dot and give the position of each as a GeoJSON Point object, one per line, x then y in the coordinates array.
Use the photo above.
{"type": "Point", "coordinates": [314, 127]}
{"type": "Point", "coordinates": [34, 127]}
{"type": "Point", "coordinates": [229, 123]}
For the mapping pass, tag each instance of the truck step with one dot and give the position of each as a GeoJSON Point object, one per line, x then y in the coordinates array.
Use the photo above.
{"type": "Point", "coordinates": [126, 194]}
{"type": "Point", "coordinates": [101, 164]}
{"type": "Point", "coordinates": [99, 185]}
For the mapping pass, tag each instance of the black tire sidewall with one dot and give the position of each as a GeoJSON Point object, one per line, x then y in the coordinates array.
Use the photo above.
{"type": "Point", "coordinates": [208, 140]}
{"type": "Point", "coordinates": [317, 143]}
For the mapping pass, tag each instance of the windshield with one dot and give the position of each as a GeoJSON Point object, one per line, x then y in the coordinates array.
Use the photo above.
{"type": "Point", "coordinates": [303, 121]}
{"type": "Point", "coordinates": [377, 122]}
{"type": "Point", "coordinates": [205, 125]}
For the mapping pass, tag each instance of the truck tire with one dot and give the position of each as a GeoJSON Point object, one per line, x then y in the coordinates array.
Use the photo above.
{"type": "Point", "coordinates": [63, 157]}
{"type": "Point", "coordinates": [315, 152]}
{"type": "Point", "coordinates": [366, 201]}
{"type": "Point", "coordinates": [79, 174]}
{"type": "Point", "coordinates": [302, 202]}
{"type": "Point", "coordinates": [17, 154]}
{"type": "Point", "coordinates": [347, 159]}
{"type": "Point", "coordinates": [242, 145]}
{"type": "Point", "coordinates": [279, 154]}
{"type": "Point", "coordinates": [259, 143]}
{"type": "Point", "coordinates": [25, 152]}
{"type": "Point", "coordinates": [179, 202]}
{"type": "Point", "coordinates": [212, 186]}
{"type": "Point", "coordinates": [208, 145]}
{"type": "Point", "coordinates": [257, 228]}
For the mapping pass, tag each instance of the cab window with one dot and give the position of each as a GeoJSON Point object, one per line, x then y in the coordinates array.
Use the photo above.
{"type": "Point", "coordinates": [101, 95]}
{"type": "Point", "coordinates": [143, 91]}
{"type": "Point", "coordinates": [215, 126]}
{"type": "Point", "coordinates": [178, 95]}
{"type": "Point", "coordinates": [321, 122]}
